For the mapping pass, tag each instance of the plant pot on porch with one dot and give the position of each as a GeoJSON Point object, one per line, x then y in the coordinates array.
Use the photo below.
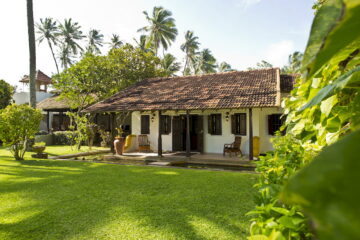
{"type": "Point", "coordinates": [119, 145]}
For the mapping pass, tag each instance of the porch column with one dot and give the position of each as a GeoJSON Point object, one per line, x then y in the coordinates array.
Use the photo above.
{"type": "Point", "coordinates": [250, 135]}
{"type": "Point", "coordinates": [48, 121]}
{"type": "Point", "coordinates": [159, 138]}
{"type": "Point", "coordinates": [187, 133]}
{"type": "Point", "coordinates": [112, 132]}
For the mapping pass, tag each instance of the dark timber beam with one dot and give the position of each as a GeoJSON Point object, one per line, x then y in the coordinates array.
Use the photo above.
{"type": "Point", "coordinates": [159, 138]}
{"type": "Point", "coordinates": [187, 133]}
{"type": "Point", "coordinates": [251, 147]}
{"type": "Point", "coordinates": [48, 121]}
{"type": "Point", "coordinates": [112, 132]}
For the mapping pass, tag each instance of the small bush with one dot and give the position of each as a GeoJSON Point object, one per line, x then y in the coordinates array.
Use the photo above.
{"type": "Point", "coordinates": [64, 138]}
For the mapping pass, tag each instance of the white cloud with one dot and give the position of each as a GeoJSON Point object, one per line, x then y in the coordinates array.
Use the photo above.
{"type": "Point", "coordinates": [244, 4]}
{"type": "Point", "coordinates": [278, 53]}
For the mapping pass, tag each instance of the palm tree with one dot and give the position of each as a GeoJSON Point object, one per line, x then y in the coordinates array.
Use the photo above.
{"type": "Point", "coordinates": [169, 65]}
{"type": "Point", "coordinates": [48, 29]}
{"type": "Point", "coordinates": [190, 46]}
{"type": "Point", "coordinates": [225, 67]}
{"type": "Point", "coordinates": [142, 44]}
{"type": "Point", "coordinates": [65, 56]}
{"type": "Point", "coordinates": [32, 52]}
{"type": "Point", "coordinates": [205, 62]}
{"type": "Point", "coordinates": [95, 41]}
{"type": "Point", "coordinates": [162, 30]}
{"type": "Point", "coordinates": [71, 33]}
{"type": "Point", "coordinates": [115, 41]}
{"type": "Point", "coordinates": [294, 63]}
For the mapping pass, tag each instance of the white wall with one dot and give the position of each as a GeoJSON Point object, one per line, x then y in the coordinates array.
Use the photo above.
{"type": "Point", "coordinates": [212, 143]}
{"type": "Point", "coordinates": [24, 97]}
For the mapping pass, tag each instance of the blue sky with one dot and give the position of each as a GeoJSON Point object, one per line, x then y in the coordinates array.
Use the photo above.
{"type": "Point", "coordinates": [240, 32]}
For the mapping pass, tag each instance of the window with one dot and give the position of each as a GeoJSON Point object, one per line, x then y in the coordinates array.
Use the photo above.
{"type": "Point", "coordinates": [165, 124]}
{"type": "Point", "coordinates": [274, 123]}
{"type": "Point", "coordinates": [214, 124]}
{"type": "Point", "coordinates": [238, 124]}
{"type": "Point", "coordinates": [145, 124]}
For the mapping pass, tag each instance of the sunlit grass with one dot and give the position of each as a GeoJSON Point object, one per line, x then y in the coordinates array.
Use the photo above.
{"type": "Point", "coordinates": [44, 199]}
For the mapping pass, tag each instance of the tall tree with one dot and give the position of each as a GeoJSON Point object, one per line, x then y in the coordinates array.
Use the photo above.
{"type": "Point", "coordinates": [115, 41]}
{"type": "Point", "coordinates": [65, 56]}
{"type": "Point", "coordinates": [142, 44]}
{"type": "Point", "coordinates": [48, 29]}
{"type": "Point", "coordinates": [294, 63]}
{"type": "Point", "coordinates": [170, 65]}
{"type": "Point", "coordinates": [225, 67]}
{"type": "Point", "coordinates": [190, 46]}
{"type": "Point", "coordinates": [205, 62]}
{"type": "Point", "coordinates": [95, 41]}
{"type": "Point", "coordinates": [261, 65]}
{"type": "Point", "coordinates": [70, 33]}
{"type": "Point", "coordinates": [161, 29]}
{"type": "Point", "coordinates": [32, 51]}
{"type": "Point", "coordinates": [6, 92]}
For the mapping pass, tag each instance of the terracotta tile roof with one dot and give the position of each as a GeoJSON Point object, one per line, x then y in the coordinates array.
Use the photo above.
{"type": "Point", "coordinates": [236, 89]}
{"type": "Point", "coordinates": [53, 103]}
{"type": "Point", "coordinates": [40, 77]}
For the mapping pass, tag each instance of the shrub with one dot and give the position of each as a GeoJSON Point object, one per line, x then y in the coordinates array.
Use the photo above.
{"type": "Point", "coordinates": [64, 137]}
{"type": "Point", "coordinates": [18, 124]}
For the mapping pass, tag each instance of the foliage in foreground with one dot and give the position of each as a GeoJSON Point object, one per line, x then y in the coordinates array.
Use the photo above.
{"type": "Point", "coordinates": [323, 108]}
{"type": "Point", "coordinates": [18, 124]}
{"type": "Point", "coordinates": [6, 92]}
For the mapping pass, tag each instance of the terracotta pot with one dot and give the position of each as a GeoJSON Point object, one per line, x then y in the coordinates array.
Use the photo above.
{"type": "Point", "coordinates": [119, 145]}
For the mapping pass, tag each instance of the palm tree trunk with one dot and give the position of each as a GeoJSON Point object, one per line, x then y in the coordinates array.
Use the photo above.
{"type": "Point", "coordinates": [52, 52]}
{"type": "Point", "coordinates": [186, 63]}
{"type": "Point", "coordinates": [32, 51]}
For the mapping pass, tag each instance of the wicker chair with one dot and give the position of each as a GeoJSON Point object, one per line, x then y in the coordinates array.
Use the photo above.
{"type": "Point", "coordinates": [144, 144]}
{"type": "Point", "coordinates": [233, 147]}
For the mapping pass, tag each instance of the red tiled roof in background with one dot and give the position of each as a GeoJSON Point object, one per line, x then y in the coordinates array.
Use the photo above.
{"type": "Point", "coordinates": [229, 90]}
{"type": "Point", "coordinates": [40, 77]}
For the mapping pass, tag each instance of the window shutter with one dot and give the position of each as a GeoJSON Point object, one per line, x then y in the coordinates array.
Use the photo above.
{"type": "Point", "coordinates": [242, 123]}
{"type": "Point", "coordinates": [233, 124]}
{"type": "Point", "coordinates": [218, 124]}
{"type": "Point", "coordinates": [210, 124]}
{"type": "Point", "coordinates": [270, 125]}
{"type": "Point", "coordinates": [145, 124]}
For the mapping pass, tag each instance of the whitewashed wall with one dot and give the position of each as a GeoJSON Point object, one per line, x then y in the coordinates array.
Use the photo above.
{"type": "Point", "coordinates": [212, 143]}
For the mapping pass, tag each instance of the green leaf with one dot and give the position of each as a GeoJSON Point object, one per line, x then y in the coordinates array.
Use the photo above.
{"type": "Point", "coordinates": [328, 190]}
{"type": "Point", "coordinates": [282, 211]}
{"type": "Point", "coordinates": [333, 124]}
{"type": "Point", "coordinates": [287, 222]}
{"type": "Point", "coordinates": [355, 113]}
{"type": "Point", "coordinates": [328, 104]}
{"type": "Point", "coordinates": [334, 34]}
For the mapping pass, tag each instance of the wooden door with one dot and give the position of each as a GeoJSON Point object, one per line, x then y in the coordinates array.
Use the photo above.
{"type": "Point", "coordinates": [177, 137]}
{"type": "Point", "coordinates": [200, 133]}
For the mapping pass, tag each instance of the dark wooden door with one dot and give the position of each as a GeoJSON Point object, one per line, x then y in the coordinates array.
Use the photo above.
{"type": "Point", "coordinates": [200, 133]}
{"type": "Point", "coordinates": [177, 136]}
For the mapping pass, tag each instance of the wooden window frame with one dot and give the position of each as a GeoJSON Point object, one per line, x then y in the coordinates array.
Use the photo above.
{"type": "Point", "coordinates": [165, 123]}
{"type": "Point", "coordinates": [214, 121]}
{"type": "Point", "coordinates": [236, 124]}
{"type": "Point", "coordinates": [274, 124]}
{"type": "Point", "coordinates": [143, 129]}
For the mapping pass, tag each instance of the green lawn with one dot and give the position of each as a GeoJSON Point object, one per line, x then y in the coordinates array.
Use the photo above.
{"type": "Point", "coordinates": [44, 199]}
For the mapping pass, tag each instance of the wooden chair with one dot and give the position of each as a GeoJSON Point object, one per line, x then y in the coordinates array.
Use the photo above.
{"type": "Point", "coordinates": [144, 144]}
{"type": "Point", "coordinates": [233, 147]}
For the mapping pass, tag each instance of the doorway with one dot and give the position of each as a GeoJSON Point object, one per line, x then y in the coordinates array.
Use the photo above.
{"type": "Point", "coordinates": [196, 133]}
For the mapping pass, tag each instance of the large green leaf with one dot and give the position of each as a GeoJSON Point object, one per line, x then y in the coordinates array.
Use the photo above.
{"type": "Point", "coordinates": [334, 35]}
{"type": "Point", "coordinates": [328, 190]}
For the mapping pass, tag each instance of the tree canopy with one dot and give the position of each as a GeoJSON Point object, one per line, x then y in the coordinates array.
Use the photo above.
{"type": "Point", "coordinates": [6, 93]}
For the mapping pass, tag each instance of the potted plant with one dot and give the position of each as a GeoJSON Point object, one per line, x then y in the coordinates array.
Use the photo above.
{"type": "Point", "coordinates": [39, 148]}
{"type": "Point", "coordinates": [119, 142]}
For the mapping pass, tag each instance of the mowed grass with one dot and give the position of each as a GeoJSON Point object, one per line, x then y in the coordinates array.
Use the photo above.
{"type": "Point", "coordinates": [44, 199]}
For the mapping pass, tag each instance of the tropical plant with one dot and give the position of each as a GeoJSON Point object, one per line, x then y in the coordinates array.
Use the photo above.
{"type": "Point", "coordinates": [294, 63]}
{"type": "Point", "coordinates": [71, 34]}
{"type": "Point", "coordinates": [18, 124]}
{"type": "Point", "coordinates": [323, 115]}
{"type": "Point", "coordinates": [115, 41]}
{"type": "Point", "coordinates": [32, 52]}
{"type": "Point", "coordinates": [190, 47]}
{"type": "Point", "coordinates": [6, 93]}
{"type": "Point", "coordinates": [161, 29]}
{"type": "Point", "coordinates": [205, 62]}
{"type": "Point", "coordinates": [261, 65]}
{"type": "Point", "coordinates": [94, 41]}
{"type": "Point", "coordinates": [48, 30]}
{"type": "Point", "coordinates": [65, 57]}
{"type": "Point", "coordinates": [225, 67]}
{"type": "Point", "coordinates": [169, 65]}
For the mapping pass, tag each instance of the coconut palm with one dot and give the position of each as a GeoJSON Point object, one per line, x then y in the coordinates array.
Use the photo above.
{"type": "Point", "coordinates": [65, 56]}
{"type": "Point", "coordinates": [225, 67]}
{"type": "Point", "coordinates": [190, 46]}
{"type": "Point", "coordinates": [294, 63]}
{"type": "Point", "coordinates": [205, 62]}
{"type": "Point", "coordinates": [32, 52]}
{"type": "Point", "coordinates": [49, 31]}
{"type": "Point", "coordinates": [115, 41]}
{"type": "Point", "coordinates": [161, 29]}
{"type": "Point", "coordinates": [142, 44]}
{"type": "Point", "coordinates": [169, 65]}
{"type": "Point", "coordinates": [94, 41]}
{"type": "Point", "coordinates": [71, 33]}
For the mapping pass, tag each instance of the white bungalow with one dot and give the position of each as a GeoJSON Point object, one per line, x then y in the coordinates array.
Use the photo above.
{"type": "Point", "coordinates": [202, 113]}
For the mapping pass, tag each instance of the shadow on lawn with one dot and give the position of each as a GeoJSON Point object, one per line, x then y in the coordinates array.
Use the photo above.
{"type": "Point", "coordinates": [85, 200]}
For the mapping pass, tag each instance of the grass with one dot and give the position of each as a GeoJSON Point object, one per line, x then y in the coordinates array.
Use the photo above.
{"type": "Point", "coordinates": [49, 199]}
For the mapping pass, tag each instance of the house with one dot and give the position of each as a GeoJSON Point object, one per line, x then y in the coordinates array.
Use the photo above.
{"type": "Point", "coordinates": [202, 113]}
